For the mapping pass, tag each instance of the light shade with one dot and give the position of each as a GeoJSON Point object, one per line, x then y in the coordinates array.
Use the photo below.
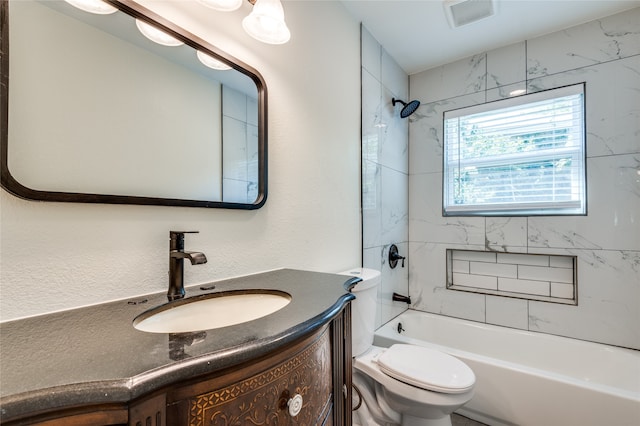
{"type": "Point", "coordinates": [98, 7]}
{"type": "Point", "coordinates": [212, 62]}
{"type": "Point", "coordinates": [266, 22]}
{"type": "Point", "coordinates": [156, 35]}
{"type": "Point", "coordinates": [222, 5]}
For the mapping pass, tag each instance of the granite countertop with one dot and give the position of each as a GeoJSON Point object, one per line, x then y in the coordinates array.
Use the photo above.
{"type": "Point", "coordinates": [94, 355]}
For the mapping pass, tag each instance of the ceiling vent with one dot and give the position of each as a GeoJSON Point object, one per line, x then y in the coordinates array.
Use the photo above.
{"type": "Point", "coordinates": [463, 12]}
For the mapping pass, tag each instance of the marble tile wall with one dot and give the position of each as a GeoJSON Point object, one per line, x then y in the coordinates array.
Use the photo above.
{"type": "Point", "coordinates": [385, 172]}
{"type": "Point", "coordinates": [240, 159]}
{"type": "Point", "coordinates": [605, 54]}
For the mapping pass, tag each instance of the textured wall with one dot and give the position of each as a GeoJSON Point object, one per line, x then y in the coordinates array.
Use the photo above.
{"type": "Point", "coordinates": [57, 256]}
{"type": "Point", "coordinates": [385, 173]}
{"type": "Point", "coordinates": [606, 55]}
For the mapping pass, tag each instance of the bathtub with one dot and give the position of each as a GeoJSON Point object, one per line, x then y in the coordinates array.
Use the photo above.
{"type": "Point", "coordinates": [527, 378]}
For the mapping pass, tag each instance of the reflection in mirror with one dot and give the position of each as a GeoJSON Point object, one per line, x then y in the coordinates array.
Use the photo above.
{"type": "Point", "coordinates": [97, 112]}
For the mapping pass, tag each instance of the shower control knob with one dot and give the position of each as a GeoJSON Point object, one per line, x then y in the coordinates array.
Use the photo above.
{"type": "Point", "coordinates": [295, 405]}
{"type": "Point", "coordinates": [394, 256]}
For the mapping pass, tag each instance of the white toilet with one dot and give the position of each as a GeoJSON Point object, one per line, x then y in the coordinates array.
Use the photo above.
{"type": "Point", "coordinates": [404, 384]}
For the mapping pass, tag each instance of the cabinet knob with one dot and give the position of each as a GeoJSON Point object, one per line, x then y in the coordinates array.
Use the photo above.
{"type": "Point", "coordinates": [295, 405]}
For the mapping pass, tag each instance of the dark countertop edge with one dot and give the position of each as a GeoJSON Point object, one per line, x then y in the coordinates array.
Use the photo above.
{"type": "Point", "coordinates": [197, 366]}
{"type": "Point", "coordinates": [14, 407]}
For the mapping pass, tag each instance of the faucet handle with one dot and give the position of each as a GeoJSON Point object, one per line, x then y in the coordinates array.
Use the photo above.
{"type": "Point", "coordinates": [176, 239]}
{"type": "Point", "coordinates": [394, 256]}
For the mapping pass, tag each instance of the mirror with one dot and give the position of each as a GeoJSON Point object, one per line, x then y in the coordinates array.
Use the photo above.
{"type": "Point", "coordinates": [93, 111]}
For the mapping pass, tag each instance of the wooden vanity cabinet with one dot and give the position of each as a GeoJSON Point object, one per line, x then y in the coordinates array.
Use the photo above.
{"type": "Point", "coordinates": [149, 412]}
{"type": "Point", "coordinates": [111, 415]}
{"type": "Point", "coordinates": [316, 366]}
{"type": "Point", "coordinates": [310, 371]}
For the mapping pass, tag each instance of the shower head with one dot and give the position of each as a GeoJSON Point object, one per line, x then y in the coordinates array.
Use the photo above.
{"type": "Point", "coordinates": [408, 108]}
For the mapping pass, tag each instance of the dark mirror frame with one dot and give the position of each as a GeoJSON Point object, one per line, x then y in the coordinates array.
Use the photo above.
{"type": "Point", "coordinates": [135, 10]}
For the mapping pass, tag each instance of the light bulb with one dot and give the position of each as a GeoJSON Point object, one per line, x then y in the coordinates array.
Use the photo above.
{"type": "Point", "coordinates": [222, 5]}
{"type": "Point", "coordinates": [156, 35]}
{"type": "Point", "coordinates": [212, 62]}
{"type": "Point", "coordinates": [266, 22]}
{"type": "Point", "coordinates": [98, 7]}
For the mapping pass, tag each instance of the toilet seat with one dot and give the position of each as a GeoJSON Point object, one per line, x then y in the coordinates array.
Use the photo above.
{"type": "Point", "coordinates": [414, 365]}
{"type": "Point", "coordinates": [395, 389]}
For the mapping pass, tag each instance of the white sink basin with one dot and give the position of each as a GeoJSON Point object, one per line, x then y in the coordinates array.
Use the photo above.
{"type": "Point", "coordinates": [219, 310]}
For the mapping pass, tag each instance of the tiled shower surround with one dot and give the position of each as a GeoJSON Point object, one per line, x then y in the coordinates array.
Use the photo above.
{"type": "Point", "coordinates": [605, 54]}
{"type": "Point", "coordinates": [385, 172]}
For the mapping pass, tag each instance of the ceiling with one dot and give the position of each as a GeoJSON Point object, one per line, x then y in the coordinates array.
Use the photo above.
{"type": "Point", "coordinates": [417, 35]}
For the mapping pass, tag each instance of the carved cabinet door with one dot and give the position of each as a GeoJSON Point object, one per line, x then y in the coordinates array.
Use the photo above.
{"type": "Point", "coordinates": [297, 390]}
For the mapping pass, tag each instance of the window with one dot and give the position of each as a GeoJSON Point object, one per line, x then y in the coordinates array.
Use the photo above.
{"type": "Point", "coordinates": [517, 156]}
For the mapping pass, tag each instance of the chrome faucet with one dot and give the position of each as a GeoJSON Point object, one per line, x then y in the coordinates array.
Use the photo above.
{"type": "Point", "coordinates": [176, 263]}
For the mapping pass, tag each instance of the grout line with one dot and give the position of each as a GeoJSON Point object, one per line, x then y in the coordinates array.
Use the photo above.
{"type": "Point", "coordinates": [486, 84]}
{"type": "Point", "coordinates": [526, 72]}
{"type": "Point", "coordinates": [485, 305]}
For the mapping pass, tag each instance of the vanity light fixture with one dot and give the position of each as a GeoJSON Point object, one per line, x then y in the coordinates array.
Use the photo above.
{"type": "Point", "coordinates": [517, 92]}
{"type": "Point", "coordinates": [156, 35]}
{"type": "Point", "coordinates": [266, 23]}
{"type": "Point", "coordinates": [222, 5]}
{"type": "Point", "coordinates": [211, 62]}
{"type": "Point", "coordinates": [98, 7]}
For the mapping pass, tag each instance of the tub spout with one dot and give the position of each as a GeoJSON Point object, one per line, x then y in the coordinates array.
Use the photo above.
{"type": "Point", "coordinates": [400, 298]}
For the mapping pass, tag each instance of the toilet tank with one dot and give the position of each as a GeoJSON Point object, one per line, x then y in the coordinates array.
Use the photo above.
{"type": "Point", "coordinates": [363, 308]}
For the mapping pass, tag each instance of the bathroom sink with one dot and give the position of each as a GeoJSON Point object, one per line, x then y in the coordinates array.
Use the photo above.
{"type": "Point", "coordinates": [211, 311]}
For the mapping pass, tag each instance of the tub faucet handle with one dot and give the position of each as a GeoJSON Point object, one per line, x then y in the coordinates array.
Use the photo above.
{"type": "Point", "coordinates": [394, 256]}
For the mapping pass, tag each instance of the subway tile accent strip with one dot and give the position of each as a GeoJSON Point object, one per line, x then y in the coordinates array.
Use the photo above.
{"type": "Point", "coordinates": [550, 278]}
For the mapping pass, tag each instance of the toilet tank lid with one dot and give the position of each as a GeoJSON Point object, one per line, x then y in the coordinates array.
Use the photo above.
{"type": "Point", "coordinates": [370, 278]}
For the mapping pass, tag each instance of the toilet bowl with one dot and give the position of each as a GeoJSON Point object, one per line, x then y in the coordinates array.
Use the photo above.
{"type": "Point", "coordinates": [404, 385]}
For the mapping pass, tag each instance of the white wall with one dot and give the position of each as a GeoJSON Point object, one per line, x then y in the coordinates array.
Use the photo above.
{"type": "Point", "coordinates": [59, 255]}
{"type": "Point", "coordinates": [606, 55]}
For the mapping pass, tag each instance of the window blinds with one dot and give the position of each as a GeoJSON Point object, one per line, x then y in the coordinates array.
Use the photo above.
{"type": "Point", "coordinates": [518, 156]}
